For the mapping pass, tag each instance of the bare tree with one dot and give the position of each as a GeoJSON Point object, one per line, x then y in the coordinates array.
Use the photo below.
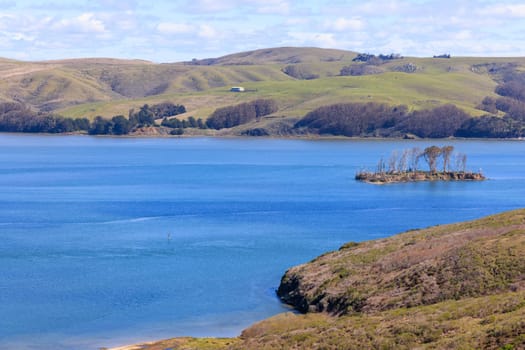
{"type": "Point", "coordinates": [431, 155]}
{"type": "Point", "coordinates": [446, 151]}
{"type": "Point", "coordinates": [402, 163]}
{"type": "Point", "coordinates": [381, 166]}
{"type": "Point", "coordinates": [392, 162]}
{"type": "Point", "coordinates": [461, 162]}
{"type": "Point", "coordinates": [415, 154]}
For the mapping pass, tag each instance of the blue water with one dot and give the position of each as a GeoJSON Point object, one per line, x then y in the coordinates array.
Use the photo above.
{"type": "Point", "coordinates": [108, 241]}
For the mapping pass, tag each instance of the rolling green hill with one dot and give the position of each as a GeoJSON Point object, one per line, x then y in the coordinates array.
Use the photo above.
{"type": "Point", "coordinates": [459, 286]}
{"type": "Point", "coordinates": [299, 79]}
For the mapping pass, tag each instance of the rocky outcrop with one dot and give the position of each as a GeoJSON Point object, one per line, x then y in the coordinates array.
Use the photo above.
{"type": "Point", "coordinates": [458, 286]}
{"type": "Point", "coordinates": [416, 268]}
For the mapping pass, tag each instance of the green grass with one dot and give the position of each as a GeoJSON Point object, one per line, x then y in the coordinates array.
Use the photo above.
{"type": "Point", "coordinates": [492, 322]}
{"type": "Point", "coordinates": [298, 97]}
{"type": "Point", "coordinates": [87, 88]}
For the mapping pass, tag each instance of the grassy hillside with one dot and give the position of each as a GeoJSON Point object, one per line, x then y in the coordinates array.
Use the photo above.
{"type": "Point", "coordinates": [459, 286]}
{"type": "Point", "coordinates": [107, 87]}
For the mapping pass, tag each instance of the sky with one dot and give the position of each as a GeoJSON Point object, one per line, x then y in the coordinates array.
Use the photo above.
{"type": "Point", "coordinates": [180, 30]}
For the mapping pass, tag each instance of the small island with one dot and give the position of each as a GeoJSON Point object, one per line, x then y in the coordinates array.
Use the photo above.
{"type": "Point", "coordinates": [404, 167]}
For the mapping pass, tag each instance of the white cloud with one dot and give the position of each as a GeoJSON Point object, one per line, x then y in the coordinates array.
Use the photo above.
{"type": "Point", "coordinates": [203, 31]}
{"type": "Point", "coordinates": [506, 10]}
{"type": "Point", "coordinates": [85, 23]}
{"type": "Point", "coordinates": [20, 36]}
{"type": "Point", "coordinates": [175, 28]}
{"type": "Point", "coordinates": [209, 28]}
{"type": "Point", "coordinates": [342, 24]}
{"type": "Point", "coordinates": [89, 23]}
{"type": "Point", "coordinates": [370, 8]}
{"type": "Point", "coordinates": [208, 6]}
{"type": "Point", "coordinates": [296, 21]}
{"type": "Point", "coordinates": [273, 7]}
{"type": "Point", "coordinates": [314, 39]}
{"type": "Point", "coordinates": [208, 32]}
{"type": "Point", "coordinates": [463, 35]}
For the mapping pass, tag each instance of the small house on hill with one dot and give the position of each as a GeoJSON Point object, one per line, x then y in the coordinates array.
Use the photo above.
{"type": "Point", "coordinates": [237, 89]}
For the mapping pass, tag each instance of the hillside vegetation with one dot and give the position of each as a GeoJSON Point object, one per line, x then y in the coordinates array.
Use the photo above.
{"type": "Point", "coordinates": [298, 79]}
{"type": "Point", "coordinates": [459, 286]}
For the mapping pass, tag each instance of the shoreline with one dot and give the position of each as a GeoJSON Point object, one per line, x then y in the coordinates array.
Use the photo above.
{"type": "Point", "coordinates": [137, 346]}
{"type": "Point", "coordinates": [309, 137]}
{"type": "Point", "coordinates": [417, 176]}
{"type": "Point", "coordinates": [443, 239]}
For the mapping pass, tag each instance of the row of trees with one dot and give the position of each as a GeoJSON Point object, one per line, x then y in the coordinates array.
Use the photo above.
{"type": "Point", "coordinates": [408, 160]}
{"type": "Point", "coordinates": [368, 64]}
{"type": "Point", "coordinates": [225, 117]}
{"type": "Point", "coordinates": [404, 167]}
{"type": "Point", "coordinates": [382, 120]}
{"type": "Point", "coordinates": [231, 116]}
{"type": "Point", "coordinates": [17, 117]}
{"type": "Point", "coordinates": [145, 116]}
{"type": "Point", "coordinates": [191, 122]}
{"type": "Point", "coordinates": [373, 59]}
{"type": "Point", "coordinates": [352, 119]}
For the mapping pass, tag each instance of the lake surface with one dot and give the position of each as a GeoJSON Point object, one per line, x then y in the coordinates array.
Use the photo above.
{"type": "Point", "coordinates": [109, 241]}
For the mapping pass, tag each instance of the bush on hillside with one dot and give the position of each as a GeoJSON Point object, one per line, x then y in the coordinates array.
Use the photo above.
{"type": "Point", "coordinates": [359, 69]}
{"type": "Point", "coordinates": [439, 122]}
{"type": "Point", "coordinates": [352, 119]}
{"type": "Point", "coordinates": [492, 127]}
{"type": "Point", "coordinates": [231, 116]}
{"type": "Point", "coordinates": [378, 119]}
{"type": "Point", "coordinates": [17, 117]}
{"type": "Point", "coordinates": [299, 72]}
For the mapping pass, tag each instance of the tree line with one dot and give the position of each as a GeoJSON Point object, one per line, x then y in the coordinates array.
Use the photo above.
{"type": "Point", "coordinates": [367, 64]}
{"type": "Point", "coordinates": [178, 125]}
{"type": "Point", "coordinates": [145, 116]}
{"type": "Point", "coordinates": [228, 117]}
{"type": "Point", "coordinates": [373, 59]}
{"type": "Point", "coordinates": [17, 117]}
{"type": "Point", "coordinates": [408, 160]}
{"type": "Point", "coordinates": [382, 120]}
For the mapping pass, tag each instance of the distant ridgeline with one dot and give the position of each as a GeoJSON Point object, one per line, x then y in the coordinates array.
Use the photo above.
{"type": "Point", "coordinates": [404, 167]}
{"type": "Point", "coordinates": [505, 116]}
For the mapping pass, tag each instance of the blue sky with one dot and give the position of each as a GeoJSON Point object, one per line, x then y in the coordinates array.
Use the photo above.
{"type": "Point", "coordinates": [171, 31]}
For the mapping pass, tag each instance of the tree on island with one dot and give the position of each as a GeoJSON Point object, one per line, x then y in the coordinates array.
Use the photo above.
{"type": "Point", "coordinates": [446, 151]}
{"type": "Point", "coordinates": [431, 155]}
{"type": "Point", "coordinates": [461, 162]}
{"type": "Point", "coordinates": [415, 155]}
{"type": "Point", "coordinates": [403, 167]}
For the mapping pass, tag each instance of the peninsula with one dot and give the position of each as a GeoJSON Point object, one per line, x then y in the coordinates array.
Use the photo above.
{"type": "Point", "coordinates": [404, 167]}
{"type": "Point", "coordinates": [458, 286]}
